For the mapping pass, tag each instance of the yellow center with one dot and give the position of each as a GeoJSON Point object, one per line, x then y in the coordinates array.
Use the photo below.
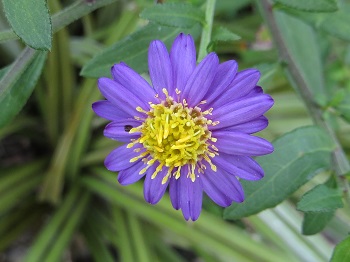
{"type": "Point", "coordinates": [175, 135]}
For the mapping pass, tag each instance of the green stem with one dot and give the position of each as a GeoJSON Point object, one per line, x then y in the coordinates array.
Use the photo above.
{"type": "Point", "coordinates": [206, 32]}
{"type": "Point", "coordinates": [340, 161]}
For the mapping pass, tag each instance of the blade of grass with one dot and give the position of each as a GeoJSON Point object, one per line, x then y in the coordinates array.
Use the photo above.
{"type": "Point", "coordinates": [49, 233]}
{"type": "Point", "coordinates": [125, 245]}
{"type": "Point", "coordinates": [81, 141]}
{"type": "Point", "coordinates": [218, 239]}
{"type": "Point", "coordinates": [10, 198]}
{"type": "Point", "coordinates": [97, 230]}
{"type": "Point", "coordinates": [72, 221]}
{"type": "Point", "coordinates": [141, 248]}
{"type": "Point", "coordinates": [13, 225]}
{"type": "Point", "coordinates": [13, 176]}
{"type": "Point", "coordinates": [53, 182]}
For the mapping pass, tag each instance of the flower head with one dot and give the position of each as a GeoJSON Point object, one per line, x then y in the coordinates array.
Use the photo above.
{"type": "Point", "coordinates": [191, 130]}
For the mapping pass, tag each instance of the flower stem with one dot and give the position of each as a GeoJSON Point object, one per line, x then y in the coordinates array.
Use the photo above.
{"type": "Point", "coordinates": [340, 161]}
{"type": "Point", "coordinates": [206, 32]}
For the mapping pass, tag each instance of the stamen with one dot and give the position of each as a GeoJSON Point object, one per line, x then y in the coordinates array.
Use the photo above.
{"type": "Point", "coordinates": [139, 109]}
{"type": "Point", "coordinates": [158, 169]}
{"type": "Point", "coordinates": [166, 177]}
{"type": "Point", "coordinates": [134, 159]}
{"type": "Point", "coordinates": [175, 135]}
{"type": "Point", "coordinates": [178, 173]}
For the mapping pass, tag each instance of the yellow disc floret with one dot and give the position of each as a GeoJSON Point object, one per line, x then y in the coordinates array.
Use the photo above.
{"type": "Point", "coordinates": [176, 136]}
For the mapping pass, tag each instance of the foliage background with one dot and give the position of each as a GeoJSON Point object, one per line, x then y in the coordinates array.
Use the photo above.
{"type": "Point", "coordinates": [59, 203]}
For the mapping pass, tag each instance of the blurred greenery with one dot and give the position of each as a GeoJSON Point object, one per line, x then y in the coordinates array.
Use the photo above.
{"type": "Point", "coordinates": [59, 203]}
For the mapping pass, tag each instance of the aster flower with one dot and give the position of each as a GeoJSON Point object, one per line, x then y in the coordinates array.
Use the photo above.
{"type": "Point", "coordinates": [191, 130]}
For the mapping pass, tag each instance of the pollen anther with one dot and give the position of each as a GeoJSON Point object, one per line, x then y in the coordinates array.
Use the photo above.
{"type": "Point", "coordinates": [175, 135]}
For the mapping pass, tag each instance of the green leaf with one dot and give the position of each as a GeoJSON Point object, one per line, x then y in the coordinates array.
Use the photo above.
{"type": "Point", "coordinates": [298, 156]}
{"type": "Point", "coordinates": [310, 5]}
{"type": "Point", "coordinates": [31, 21]}
{"type": "Point", "coordinates": [92, 234]}
{"type": "Point", "coordinates": [336, 24]}
{"type": "Point", "coordinates": [338, 97]}
{"type": "Point", "coordinates": [223, 34]}
{"type": "Point", "coordinates": [56, 235]}
{"type": "Point", "coordinates": [217, 236]}
{"type": "Point", "coordinates": [320, 199]}
{"type": "Point", "coordinates": [304, 45]}
{"type": "Point", "coordinates": [18, 83]}
{"type": "Point", "coordinates": [314, 223]}
{"type": "Point", "coordinates": [174, 14]}
{"type": "Point", "coordinates": [342, 251]}
{"type": "Point", "coordinates": [132, 50]}
{"type": "Point", "coordinates": [344, 107]}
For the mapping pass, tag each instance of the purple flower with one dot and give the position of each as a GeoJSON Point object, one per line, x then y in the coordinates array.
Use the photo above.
{"type": "Point", "coordinates": [191, 130]}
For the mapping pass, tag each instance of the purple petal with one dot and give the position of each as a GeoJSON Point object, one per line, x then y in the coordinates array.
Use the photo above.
{"type": "Point", "coordinates": [183, 60]}
{"type": "Point", "coordinates": [107, 110]}
{"type": "Point", "coordinates": [242, 166]}
{"type": "Point", "coordinates": [131, 175]}
{"type": "Point", "coordinates": [241, 111]}
{"type": "Point", "coordinates": [201, 79]}
{"type": "Point", "coordinates": [119, 158]}
{"type": "Point", "coordinates": [132, 81]}
{"type": "Point", "coordinates": [241, 85]}
{"type": "Point", "coordinates": [236, 143]}
{"type": "Point", "coordinates": [186, 195]}
{"type": "Point", "coordinates": [119, 130]}
{"type": "Point", "coordinates": [153, 189]}
{"type": "Point", "coordinates": [120, 96]}
{"type": "Point", "coordinates": [224, 76]}
{"type": "Point", "coordinates": [222, 187]}
{"type": "Point", "coordinates": [254, 92]}
{"type": "Point", "coordinates": [249, 127]}
{"type": "Point", "coordinates": [159, 65]}
{"type": "Point", "coordinates": [174, 192]}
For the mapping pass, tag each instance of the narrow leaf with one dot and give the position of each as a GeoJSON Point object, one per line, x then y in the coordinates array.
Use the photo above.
{"type": "Point", "coordinates": [174, 14]}
{"type": "Point", "coordinates": [320, 199]}
{"type": "Point", "coordinates": [54, 237]}
{"type": "Point", "coordinates": [18, 83]}
{"type": "Point", "coordinates": [132, 50]}
{"type": "Point", "coordinates": [336, 24]}
{"type": "Point", "coordinates": [305, 45]}
{"type": "Point", "coordinates": [31, 21]}
{"type": "Point", "coordinates": [342, 251]}
{"type": "Point", "coordinates": [311, 5]}
{"type": "Point", "coordinates": [223, 34]}
{"type": "Point", "coordinates": [298, 156]}
{"type": "Point", "coordinates": [314, 223]}
{"type": "Point", "coordinates": [344, 107]}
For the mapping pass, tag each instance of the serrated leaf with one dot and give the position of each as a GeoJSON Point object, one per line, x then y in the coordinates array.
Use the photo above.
{"type": "Point", "coordinates": [314, 223]}
{"type": "Point", "coordinates": [320, 199]}
{"type": "Point", "coordinates": [174, 14]}
{"type": "Point", "coordinates": [15, 92]}
{"type": "Point", "coordinates": [31, 21]}
{"type": "Point", "coordinates": [223, 34]}
{"type": "Point", "coordinates": [311, 5]}
{"type": "Point", "coordinates": [298, 156]}
{"type": "Point", "coordinates": [341, 252]}
{"type": "Point", "coordinates": [132, 50]}
{"type": "Point", "coordinates": [301, 46]}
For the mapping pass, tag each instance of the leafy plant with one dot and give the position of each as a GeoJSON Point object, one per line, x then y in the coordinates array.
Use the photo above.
{"type": "Point", "coordinates": [59, 202]}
